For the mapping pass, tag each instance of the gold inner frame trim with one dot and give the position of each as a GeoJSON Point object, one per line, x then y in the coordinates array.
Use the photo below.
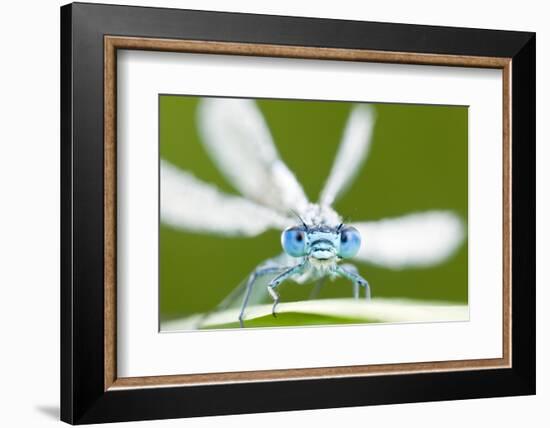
{"type": "Point", "coordinates": [113, 43]}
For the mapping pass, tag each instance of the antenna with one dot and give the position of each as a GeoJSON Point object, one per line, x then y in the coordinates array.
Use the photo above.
{"type": "Point", "coordinates": [300, 218]}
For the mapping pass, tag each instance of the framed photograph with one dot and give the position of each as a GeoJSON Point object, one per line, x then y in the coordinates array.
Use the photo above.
{"type": "Point", "coordinates": [265, 213]}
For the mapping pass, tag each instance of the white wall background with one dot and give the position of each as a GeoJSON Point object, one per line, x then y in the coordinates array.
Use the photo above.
{"type": "Point", "coordinates": [29, 212]}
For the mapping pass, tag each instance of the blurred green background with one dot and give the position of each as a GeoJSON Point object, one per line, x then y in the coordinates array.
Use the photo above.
{"type": "Point", "coordinates": [418, 161]}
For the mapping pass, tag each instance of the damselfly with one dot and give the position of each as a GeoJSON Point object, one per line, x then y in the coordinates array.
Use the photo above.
{"type": "Point", "coordinates": [316, 243]}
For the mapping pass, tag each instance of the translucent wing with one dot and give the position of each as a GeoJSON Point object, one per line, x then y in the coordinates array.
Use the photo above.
{"type": "Point", "coordinates": [258, 294]}
{"type": "Point", "coordinates": [191, 204]}
{"type": "Point", "coordinates": [419, 239]}
{"type": "Point", "coordinates": [351, 155]}
{"type": "Point", "coordinates": [258, 291]}
{"type": "Point", "coordinates": [239, 142]}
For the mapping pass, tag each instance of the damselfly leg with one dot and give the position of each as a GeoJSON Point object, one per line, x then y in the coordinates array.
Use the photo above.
{"type": "Point", "coordinates": [349, 271]}
{"type": "Point", "coordinates": [275, 282]}
{"type": "Point", "coordinates": [259, 272]}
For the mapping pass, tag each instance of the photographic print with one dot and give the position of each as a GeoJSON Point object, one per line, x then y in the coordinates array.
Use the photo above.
{"type": "Point", "coordinates": [296, 182]}
{"type": "Point", "coordinates": [293, 213]}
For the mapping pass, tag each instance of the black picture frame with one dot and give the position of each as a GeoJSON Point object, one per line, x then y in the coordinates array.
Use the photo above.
{"type": "Point", "coordinates": [83, 396]}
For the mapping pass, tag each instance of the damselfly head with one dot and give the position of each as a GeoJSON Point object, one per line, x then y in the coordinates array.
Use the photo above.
{"type": "Point", "coordinates": [321, 242]}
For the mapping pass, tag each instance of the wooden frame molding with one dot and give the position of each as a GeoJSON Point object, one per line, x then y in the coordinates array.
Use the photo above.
{"type": "Point", "coordinates": [113, 43]}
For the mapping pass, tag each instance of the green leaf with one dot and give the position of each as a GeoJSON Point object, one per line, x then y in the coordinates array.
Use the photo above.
{"type": "Point", "coordinates": [325, 312]}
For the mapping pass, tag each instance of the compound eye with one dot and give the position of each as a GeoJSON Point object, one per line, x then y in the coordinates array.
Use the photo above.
{"type": "Point", "coordinates": [293, 241]}
{"type": "Point", "coordinates": [350, 242]}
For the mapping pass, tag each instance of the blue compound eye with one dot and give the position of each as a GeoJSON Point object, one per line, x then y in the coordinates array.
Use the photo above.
{"type": "Point", "coordinates": [293, 241]}
{"type": "Point", "coordinates": [350, 242]}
